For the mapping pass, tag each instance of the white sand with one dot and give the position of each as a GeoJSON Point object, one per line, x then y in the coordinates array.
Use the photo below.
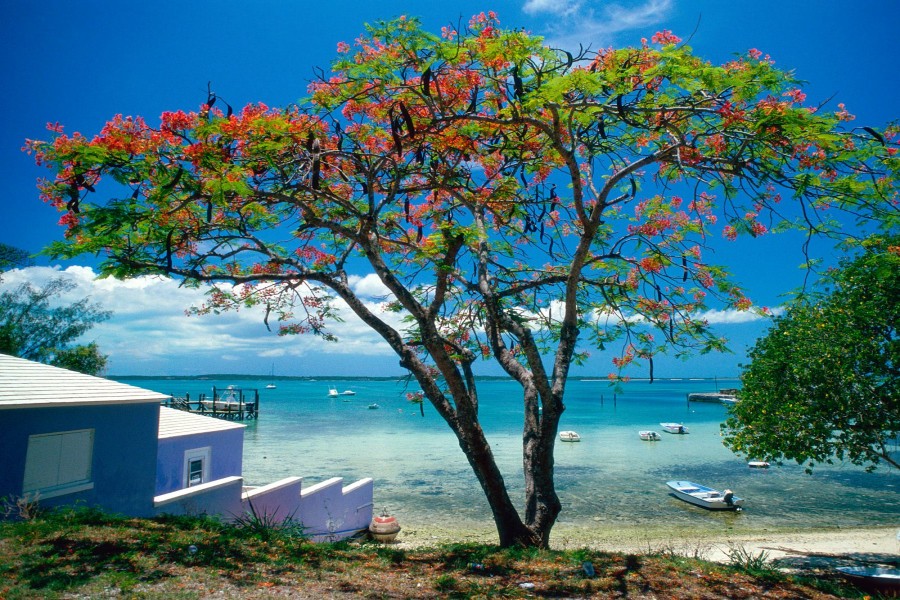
{"type": "Point", "coordinates": [798, 548]}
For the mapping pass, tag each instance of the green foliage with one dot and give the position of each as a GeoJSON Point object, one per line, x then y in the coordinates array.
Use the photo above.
{"type": "Point", "coordinates": [85, 553]}
{"type": "Point", "coordinates": [824, 383]}
{"type": "Point", "coordinates": [745, 560]}
{"type": "Point", "coordinates": [445, 583]}
{"type": "Point", "coordinates": [84, 358]}
{"type": "Point", "coordinates": [12, 258]}
{"type": "Point", "coordinates": [34, 325]}
{"type": "Point", "coordinates": [267, 526]}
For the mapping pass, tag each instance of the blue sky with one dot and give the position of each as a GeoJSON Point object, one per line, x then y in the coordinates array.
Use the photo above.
{"type": "Point", "coordinates": [81, 63]}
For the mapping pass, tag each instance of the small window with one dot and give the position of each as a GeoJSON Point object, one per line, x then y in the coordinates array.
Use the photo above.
{"type": "Point", "coordinates": [195, 471]}
{"type": "Point", "coordinates": [59, 463]}
{"type": "Point", "coordinates": [196, 466]}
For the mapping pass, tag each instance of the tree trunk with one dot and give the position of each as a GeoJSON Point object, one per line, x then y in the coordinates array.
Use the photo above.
{"type": "Point", "coordinates": [510, 527]}
{"type": "Point", "coordinates": [542, 505]}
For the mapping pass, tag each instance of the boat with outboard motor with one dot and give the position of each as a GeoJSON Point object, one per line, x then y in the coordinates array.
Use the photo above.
{"type": "Point", "coordinates": [703, 496]}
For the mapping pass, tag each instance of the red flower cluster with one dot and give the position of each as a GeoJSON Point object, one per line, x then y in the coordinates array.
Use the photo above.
{"type": "Point", "coordinates": [665, 37]}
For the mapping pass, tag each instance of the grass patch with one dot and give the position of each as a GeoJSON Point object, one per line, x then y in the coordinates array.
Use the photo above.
{"type": "Point", "coordinates": [86, 553]}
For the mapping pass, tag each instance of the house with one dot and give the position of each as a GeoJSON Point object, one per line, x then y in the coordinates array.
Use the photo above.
{"type": "Point", "coordinates": [71, 438]}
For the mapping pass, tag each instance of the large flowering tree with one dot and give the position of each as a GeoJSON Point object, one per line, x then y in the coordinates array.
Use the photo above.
{"type": "Point", "coordinates": [520, 203]}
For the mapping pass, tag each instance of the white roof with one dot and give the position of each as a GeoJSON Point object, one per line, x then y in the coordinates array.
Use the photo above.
{"type": "Point", "coordinates": [176, 423]}
{"type": "Point", "coordinates": [24, 383]}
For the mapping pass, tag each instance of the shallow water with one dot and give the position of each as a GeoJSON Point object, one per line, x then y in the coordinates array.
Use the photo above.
{"type": "Point", "coordinates": [610, 478]}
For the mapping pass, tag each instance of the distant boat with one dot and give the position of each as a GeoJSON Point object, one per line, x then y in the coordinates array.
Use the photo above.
{"type": "Point", "coordinates": [569, 436]}
{"type": "Point", "coordinates": [649, 436]}
{"type": "Point", "coordinates": [705, 497]}
{"type": "Point", "coordinates": [758, 464]}
{"type": "Point", "coordinates": [332, 392]}
{"type": "Point", "coordinates": [373, 406]}
{"type": "Point", "coordinates": [271, 385]}
{"type": "Point", "coordinates": [674, 428]}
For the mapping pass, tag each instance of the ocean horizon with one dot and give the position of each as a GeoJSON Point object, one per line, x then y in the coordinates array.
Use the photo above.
{"type": "Point", "coordinates": [610, 478]}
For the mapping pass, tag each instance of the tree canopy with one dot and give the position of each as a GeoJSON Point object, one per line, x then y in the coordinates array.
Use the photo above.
{"type": "Point", "coordinates": [824, 383]}
{"type": "Point", "coordinates": [12, 257]}
{"type": "Point", "coordinates": [518, 202]}
{"type": "Point", "coordinates": [33, 327]}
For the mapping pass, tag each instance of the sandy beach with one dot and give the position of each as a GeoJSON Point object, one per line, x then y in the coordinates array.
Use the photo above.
{"type": "Point", "coordinates": [790, 549]}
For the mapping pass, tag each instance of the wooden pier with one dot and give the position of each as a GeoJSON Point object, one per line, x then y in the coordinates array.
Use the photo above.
{"type": "Point", "coordinates": [232, 403]}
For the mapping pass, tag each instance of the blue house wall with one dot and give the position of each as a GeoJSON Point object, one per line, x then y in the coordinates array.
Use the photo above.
{"type": "Point", "coordinates": [226, 455]}
{"type": "Point", "coordinates": [123, 460]}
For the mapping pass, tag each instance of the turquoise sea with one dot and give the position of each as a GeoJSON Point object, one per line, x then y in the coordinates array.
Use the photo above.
{"type": "Point", "coordinates": [610, 478]}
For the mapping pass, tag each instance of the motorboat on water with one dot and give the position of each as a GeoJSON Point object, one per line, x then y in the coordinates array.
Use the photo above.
{"type": "Point", "coordinates": [649, 436]}
{"type": "Point", "coordinates": [677, 428]}
{"type": "Point", "coordinates": [332, 393]}
{"type": "Point", "coordinates": [569, 436]}
{"type": "Point", "coordinates": [705, 497]}
{"type": "Point", "coordinates": [758, 464]}
{"type": "Point", "coordinates": [373, 406]}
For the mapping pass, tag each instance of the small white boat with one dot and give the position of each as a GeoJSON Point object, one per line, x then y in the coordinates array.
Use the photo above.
{"type": "Point", "coordinates": [569, 436]}
{"type": "Point", "coordinates": [758, 464]}
{"type": "Point", "coordinates": [348, 393]}
{"type": "Point", "coordinates": [332, 392]}
{"type": "Point", "coordinates": [703, 496]}
{"type": "Point", "coordinates": [674, 428]}
{"type": "Point", "coordinates": [649, 436]}
{"type": "Point", "coordinates": [271, 385]}
{"type": "Point", "coordinates": [873, 579]}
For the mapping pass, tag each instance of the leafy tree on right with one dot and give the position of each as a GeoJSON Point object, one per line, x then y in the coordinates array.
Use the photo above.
{"type": "Point", "coordinates": [823, 383]}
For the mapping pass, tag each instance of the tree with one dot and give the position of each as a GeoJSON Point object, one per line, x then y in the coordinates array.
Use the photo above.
{"type": "Point", "coordinates": [12, 257]}
{"type": "Point", "coordinates": [520, 203]}
{"type": "Point", "coordinates": [30, 327]}
{"type": "Point", "coordinates": [824, 383]}
{"type": "Point", "coordinates": [85, 358]}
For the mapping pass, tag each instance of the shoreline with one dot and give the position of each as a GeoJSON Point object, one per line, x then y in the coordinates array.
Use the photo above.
{"type": "Point", "coordinates": [787, 547]}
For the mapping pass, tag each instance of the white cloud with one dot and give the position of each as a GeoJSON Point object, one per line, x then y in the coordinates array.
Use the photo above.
{"type": "Point", "coordinates": [576, 22]}
{"type": "Point", "coordinates": [149, 323]}
{"type": "Point", "coordinates": [369, 286]}
{"type": "Point", "coordinates": [556, 7]}
{"type": "Point", "coordinates": [732, 316]}
{"type": "Point", "coordinates": [149, 332]}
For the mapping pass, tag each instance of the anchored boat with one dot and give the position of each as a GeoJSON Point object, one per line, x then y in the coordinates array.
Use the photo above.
{"type": "Point", "coordinates": [677, 428]}
{"type": "Point", "coordinates": [706, 497]}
